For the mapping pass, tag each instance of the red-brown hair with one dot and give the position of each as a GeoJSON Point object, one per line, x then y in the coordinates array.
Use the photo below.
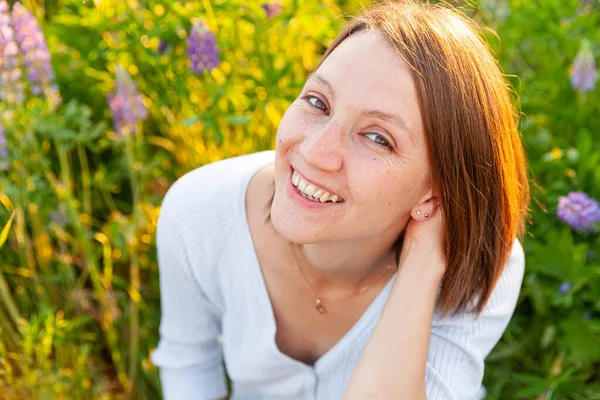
{"type": "Point", "coordinates": [478, 162]}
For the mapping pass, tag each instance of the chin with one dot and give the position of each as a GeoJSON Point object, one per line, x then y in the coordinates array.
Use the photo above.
{"type": "Point", "coordinates": [289, 226]}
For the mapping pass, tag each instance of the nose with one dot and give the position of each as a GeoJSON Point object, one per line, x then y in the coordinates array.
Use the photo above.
{"type": "Point", "coordinates": [323, 147]}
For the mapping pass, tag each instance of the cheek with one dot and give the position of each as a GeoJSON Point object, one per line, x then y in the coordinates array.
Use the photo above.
{"type": "Point", "coordinates": [388, 190]}
{"type": "Point", "coordinates": [371, 185]}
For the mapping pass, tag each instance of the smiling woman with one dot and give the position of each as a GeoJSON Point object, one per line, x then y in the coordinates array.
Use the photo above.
{"type": "Point", "coordinates": [386, 262]}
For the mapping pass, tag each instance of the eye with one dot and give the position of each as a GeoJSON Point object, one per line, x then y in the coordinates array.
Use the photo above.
{"type": "Point", "coordinates": [381, 141]}
{"type": "Point", "coordinates": [316, 103]}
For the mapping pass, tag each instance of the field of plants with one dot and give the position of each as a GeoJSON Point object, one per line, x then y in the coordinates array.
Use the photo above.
{"type": "Point", "coordinates": [105, 103]}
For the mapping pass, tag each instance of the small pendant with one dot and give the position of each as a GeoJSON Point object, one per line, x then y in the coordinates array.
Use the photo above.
{"type": "Point", "coordinates": [319, 307]}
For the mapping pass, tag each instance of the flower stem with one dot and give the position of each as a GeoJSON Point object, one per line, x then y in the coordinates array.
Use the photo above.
{"type": "Point", "coordinates": [8, 301]}
{"type": "Point", "coordinates": [86, 182]}
{"type": "Point", "coordinates": [134, 288]}
{"type": "Point", "coordinates": [91, 266]}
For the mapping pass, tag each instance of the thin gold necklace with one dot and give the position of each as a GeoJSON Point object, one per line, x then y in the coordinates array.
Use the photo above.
{"type": "Point", "coordinates": [319, 303]}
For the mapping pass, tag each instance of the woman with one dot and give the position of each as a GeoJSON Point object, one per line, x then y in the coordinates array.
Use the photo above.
{"type": "Point", "coordinates": [398, 180]}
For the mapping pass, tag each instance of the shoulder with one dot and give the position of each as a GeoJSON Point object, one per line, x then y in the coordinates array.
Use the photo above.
{"type": "Point", "coordinates": [210, 196]}
{"type": "Point", "coordinates": [516, 261]}
{"type": "Point", "coordinates": [506, 292]}
{"type": "Point", "coordinates": [201, 208]}
{"type": "Point", "coordinates": [460, 343]}
{"type": "Point", "coordinates": [504, 296]}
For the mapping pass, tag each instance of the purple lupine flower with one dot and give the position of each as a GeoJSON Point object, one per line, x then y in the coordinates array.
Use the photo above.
{"type": "Point", "coordinates": [162, 46]}
{"type": "Point", "coordinates": [585, 4]}
{"type": "Point", "coordinates": [202, 49]}
{"type": "Point", "coordinates": [11, 86]}
{"type": "Point", "coordinates": [565, 287]}
{"type": "Point", "coordinates": [3, 150]}
{"type": "Point", "coordinates": [578, 210]}
{"type": "Point", "coordinates": [34, 50]}
{"type": "Point", "coordinates": [273, 9]}
{"type": "Point", "coordinates": [584, 73]}
{"type": "Point", "coordinates": [126, 104]}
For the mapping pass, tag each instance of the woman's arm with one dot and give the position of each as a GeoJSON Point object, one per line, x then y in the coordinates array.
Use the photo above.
{"type": "Point", "coordinates": [189, 355]}
{"type": "Point", "coordinates": [392, 365]}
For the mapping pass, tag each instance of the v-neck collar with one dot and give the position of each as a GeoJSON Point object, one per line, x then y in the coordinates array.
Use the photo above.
{"type": "Point", "coordinates": [365, 321]}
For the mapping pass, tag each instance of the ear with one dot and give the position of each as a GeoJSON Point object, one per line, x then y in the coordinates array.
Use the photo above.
{"type": "Point", "coordinates": [425, 207]}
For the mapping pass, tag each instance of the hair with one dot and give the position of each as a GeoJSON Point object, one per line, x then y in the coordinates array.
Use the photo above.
{"type": "Point", "coordinates": [478, 164]}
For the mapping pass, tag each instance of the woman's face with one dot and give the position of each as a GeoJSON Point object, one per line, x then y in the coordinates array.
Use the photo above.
{"type": "Point", "coordinates": [356, 131]}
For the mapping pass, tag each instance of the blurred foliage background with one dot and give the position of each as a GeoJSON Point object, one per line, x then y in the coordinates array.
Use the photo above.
{"type": "Point", "coordinates": [104, 103]}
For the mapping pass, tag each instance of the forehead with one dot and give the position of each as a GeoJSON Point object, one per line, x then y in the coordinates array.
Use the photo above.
{"type": "Point", "coordinates": [365, 71]}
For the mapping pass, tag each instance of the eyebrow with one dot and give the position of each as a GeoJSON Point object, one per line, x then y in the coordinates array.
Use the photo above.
{"type": "Point", "coordinates": [323, 82]}
{"type": "Point", "coordinates": [394, 119]}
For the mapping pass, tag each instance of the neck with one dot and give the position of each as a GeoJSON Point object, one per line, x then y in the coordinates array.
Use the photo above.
{"type": "Point", "coordinates": [337, 266]}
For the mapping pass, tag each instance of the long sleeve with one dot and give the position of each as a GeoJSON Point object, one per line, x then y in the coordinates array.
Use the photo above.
{"type": "Point", "coordinates": [188, 354]}
{"type": "Point", "coordinates": [459, 345]}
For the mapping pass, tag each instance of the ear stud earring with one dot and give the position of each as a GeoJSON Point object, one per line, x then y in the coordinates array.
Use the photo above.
{"type": "Point", "coordinates": [418, 212]}
{"type": "Point", "coordinates": [426, 215]}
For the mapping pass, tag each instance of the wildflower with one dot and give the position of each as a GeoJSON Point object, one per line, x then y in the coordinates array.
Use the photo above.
{"type": "Point", "coordinates": [110, 307]}
{"type": "Point", "coordinates": [578, 210]}
{"type": "Point", "coordinates": [81, 297]}
{"type": "Point", "coordinates": [584, 6]}
{"type": "Point", "coordinates": [565, 287]}
{"type": "Point", "coordinates": [126, 104]}
{"type": "Point", "coordinates": [59, 217]}
{"type": "Point", "coordinates": [495, 10]}
{"type": "Point", "coordinates": [584, 73]}
{"type": "Point", "coordinates": [34, 51]}
{"type": "Point", "coordinates": [11, 87]}
{"type": "Point", "coordinates": [202, 49]}
{"type": "Point", "coordinates": [272, 9]}
{"type": "Point", "coordinates": [162, 46]}
{"type": "Point", "coordinates": [3, 150]}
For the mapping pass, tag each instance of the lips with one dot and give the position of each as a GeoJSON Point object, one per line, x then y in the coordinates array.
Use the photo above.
{"type": "Point", "coordinates": [303, 202]}
{"type": "Point", "coordinates": [318, 186]}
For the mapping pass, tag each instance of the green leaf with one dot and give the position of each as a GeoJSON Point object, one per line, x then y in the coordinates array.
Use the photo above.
{"type": "Point", "coordinates": [194, 120]}
{"type": "Point", "coordinates": [578, 339]}
{"type": "Point", "coordinates": [238, 119]}
{"type": "Point", "coordinates": [584, 143]}
{"type": "Point", "coordinates": [6, 229]}
{"type": "Point", "coordinates": [547, 336]}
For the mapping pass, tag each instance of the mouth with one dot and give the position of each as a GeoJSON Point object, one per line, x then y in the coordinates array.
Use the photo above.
{"type": "Point", "coordinates": [299, 189]}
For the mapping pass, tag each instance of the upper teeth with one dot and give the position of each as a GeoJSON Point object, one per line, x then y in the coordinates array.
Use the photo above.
{"type": "Point", "coordinates": [311, 190]}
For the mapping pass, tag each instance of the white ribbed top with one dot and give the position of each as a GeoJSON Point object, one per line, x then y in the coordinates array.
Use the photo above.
{"type": "Point", "coordinates": [215, 307]}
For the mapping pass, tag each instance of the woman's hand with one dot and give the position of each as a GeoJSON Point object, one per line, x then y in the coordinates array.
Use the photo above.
{"type": "Point", "coordinates": [424, 243]}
